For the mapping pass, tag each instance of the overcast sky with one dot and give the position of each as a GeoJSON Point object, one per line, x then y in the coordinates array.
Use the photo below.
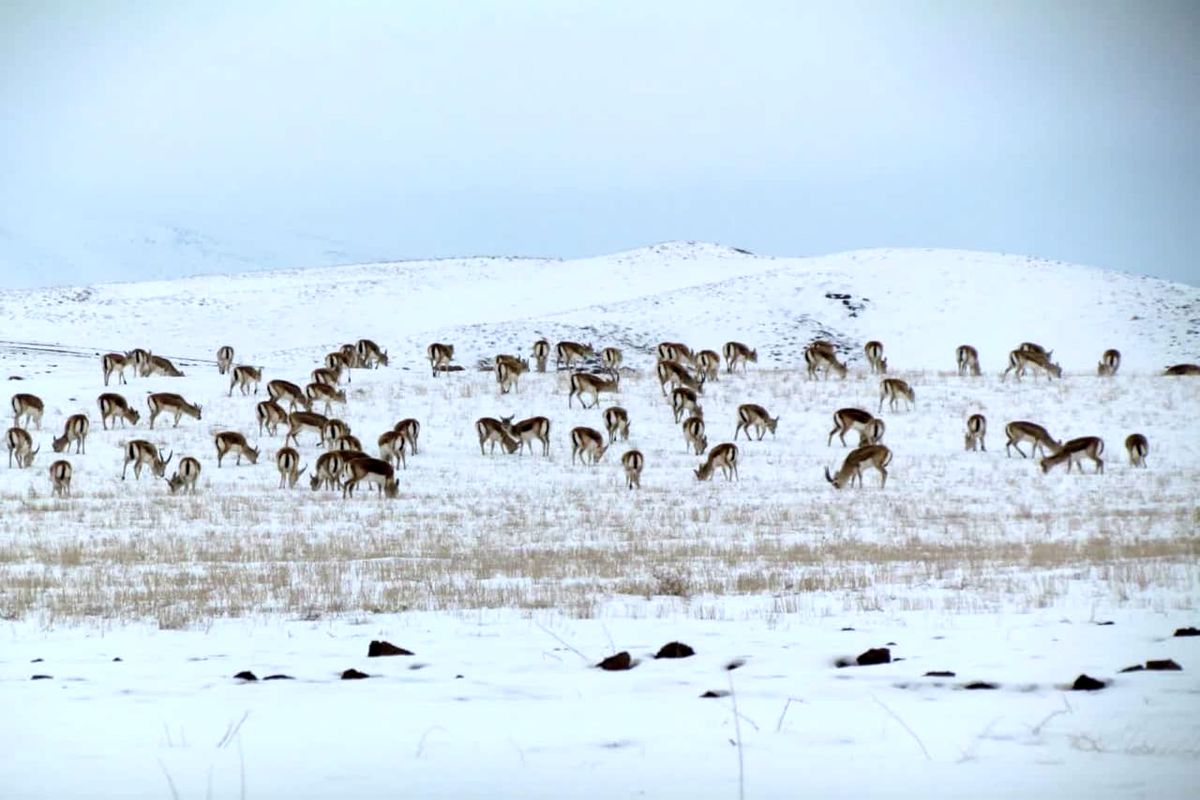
{"type": "Point", "coordinates": [409, 129]}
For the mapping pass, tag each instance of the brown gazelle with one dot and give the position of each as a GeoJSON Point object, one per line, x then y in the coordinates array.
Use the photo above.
{"type": "Point", "coordinates": [708, 365]}
{"type": "Point", "coordinates": [968, 360]}
{"type": "Point", "coordinates": [1022, 431]}
{"type": "Point", "coordinates": [1138, 448]}
{"type": "Point", "coordinates": [159, 365]}
{"type": "Point", "coordinates": [324, 393]}
{"type": "Point", "coordinates": [725, 456]}
{"type": "Point", "coordinates": [1034, 347]}
{"type": "Point", "coordinates": [113, 406]}
{"type": "Point", "coordinates": [587, 444]}
{"type": "Point", "coordinates": [224, 359]}
{"type": "Point", "coordinates": [1073, 451]}
{"type": "Point", "coordinates": [233, 442]}
{"type": "Point", "coordinates": [243, 377]}
{"type": "Point", "coordinates": [1179, 370]}
{"type": "Point", "coordinates": [632, 462]}
{"type": "Point", "coordinates": [616, 422]}
{"type": "Point", "coordinates": [738, 353]}
{"type": "Point", "coordinates": [334, 429]}
{"type": "Point", "coordinates": [527, 431]}
{"type": "Point", "coordinates": [875, 359]}
{"type": "Point", "coordinates": [349, 359]}
{"type": "Point", "coordinates": [328, 468]}
{"type": "Point", "coordinates": [822, 356]}
{"type": "Point", "coordinates": [270, 416]}
{"type": "Point", "coordinates": [611, 358]}
{"type": "Point", "coordinates": [373, 471]}
{"type": "Point", "coordinates": [492, 430]}
{"type": "Point", "coordinates": [20, 446]}
{"type": "Point", "coordinates": [281, 390]}
{"type": "Point", "coordinates": [894, 389]}
{"type": "Point", "coordinates": [287, 461]}
{"type": "Point", "coordinates": [391, 448]}
{"type": "Point", "coordinates": [583, 383]}
{"type": "Point", "coordinates": [410, 429]}
{"type": "Point", "coordinates": [60, 478]}
{"type": "Point", "coordinates": [337, 361]}
{"type": "Point", "coordinates": [140, 358]}
{"type": "Point", "coordinates": [1021, 360]}
{"type": "Point", "coordinates": [141, 453]}
{"type": "Point", "coordinates": [186, 475]}
{"type": "Point", "coordinates": [673, 374]}
{"type": "Point", "coordinates": [370, 355]}
{"type": "Point", "coordinates": [440, 355]}
{"type": "Point", "coordinates": [871, 455]}
{"type": "Point", "coordinates": [684, 401]}
{"type": "Point", "coordinates": [567, 353]}
{"type": "Point", "coordinates": [170, 403]}
{"type": "Point", "coordinates": [976, 431]}
{"type": "Point", "coordinates": [694, 438]}
{"type": "Point", "coordinates": [327, 376]}
{"type": "Point", "coordinates": [347, 442]}
{"type": "Point", "coordinates": [300, 421]}
{"type": "Point", "coordinates": [750, 414]}
{"type": "Point", "coordinates": [849, 419]}
{"type": "Point", "coordinates": [675, 351]}
{"type": "Point", "coordinates": [114, 363]}
{"type": "Point", "coordinates": [75, 430]}
{"type": "Point", "coordinates": [1110, 362]}
{"type": "Point", "coordinates": [872, 433]}
{"type": "Point", "coordinates": [541, 354]}
{"type": "Point", "coordinates": [28, 407]}
{"type": "Point", "coordinates": [508, 372]}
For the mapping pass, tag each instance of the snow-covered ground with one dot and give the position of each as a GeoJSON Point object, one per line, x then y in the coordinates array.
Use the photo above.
{"type": "Point", "coordinates": [510, 576]}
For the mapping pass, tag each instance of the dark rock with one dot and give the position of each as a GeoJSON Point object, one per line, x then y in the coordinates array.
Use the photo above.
{"type": "Point", "coordinates": [847, 629]}
{"type": "Point", "coordinates": [1106, 623]}
{"type": "Point", "coordinates": [37, 660]}
{"type": "Point", "coordinates": [737, 663]}
{"type": "Point", "coordinates": [1163, 665]}
{"type": "Point", "coordinates": [715, 693]}
{"type": "Point", "coordinates": [1134, 668]}
{"type": "Point", "coordinates": [618, 662]}
{"type": "Point", "coordinates": [118, 658]}
{"type": "Point", "coordinates": [1187, 632]}
{"type": "Point", "coordinates": [1086, 683]}
{"type": "Point", "coordinates": [354, 675]}
{"type": "Point", "coordinates": [379, 648]}
{"type": "Point", "coordinates": [246, 675]}
{"type": "Point", "coordinates": [980, 685]}
{"type": "Point", "coordinates": [280, 677]}
{"type": "Point", "coordinates": [675, 650]}
{"type": "Point", "coordinates": [876, 655]}
{"type": "Point", "coordinates": [42, 678]}
{"type": "Point", "coordinates": [939, 673]}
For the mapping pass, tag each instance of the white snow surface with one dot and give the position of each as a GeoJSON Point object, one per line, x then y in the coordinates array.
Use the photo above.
{"type": "Point", "coordinates": [502, 699]}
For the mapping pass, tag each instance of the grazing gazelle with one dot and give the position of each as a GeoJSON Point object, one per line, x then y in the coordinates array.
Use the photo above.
{"type": "Point", "coordinates": [114, 362]}
{"type": "Point", "coordinates": [875, 359]}
{"type": "Point", "coordinates": [337, 361]}
{"type": "Point", "coordinates": [616, 422]}
{"type": "Point", "coordinates": [1138, 448]}
{"type": "Point", "coordinates": [1021, 431]}
{"type": "Point", "coordinates": [158, 365]}
{"type": "Point", "coordinates": [492, 430]}
{"type": "Point", "coordinates": [586, 383]}
{"type": "Point", "coordinates": [674, 374]}
{"type": "Point", "coordinates": [170, 403]}
{"type": "Point", "coordinates": [349, 358]}
{"type": "Point", "coordinates": [684, 401]}
{"type": "Point", "coordinates": [821, 355]}
{"type": "Point", "coordinates": [1110, 362]}
{"type": "Point", "coordinates": [708, 365]}
{"type": "Point", "coordinates": [334, 429]}
{"type": "Point", "coordinates": [224, 359]}
{"type": "Point", "coordinates": [281, 390]}
{"type": "Point", "coordinates": [569, 352]}
{"type": "Point", "coordinates": [976, 431]}
{"type": "Point", "coordinates": [410, 429]}
{"type": "Point", "coordinates": [611, 358]}
{"type": "Point", "coordinates": [527, 431]}
{"type": "Point", "coordinates": [694, 438]}
{"type": "Point", "coordinates": [139, 452]}
{"type": "Point", "coordinates": [725, 456]}
{"type": "Point", "coordinates": [300, 421]}
{"type": "Point", "coordinates": [346, 442]}
{"type": "Point", "coordinates": [541, 354]}
{"type": "Point", "coordinates": [632, 462]}
{"type": "Point", "coordinates": [370, 355]}
{"type": "Point", "coordinates": [113, 406]}
{"type": "Point", "coordinates": [270, 415]}
{"type": "Point", "coordinates": [186, 475]}
{"type": "Point", "coordinates": [968, 360]}
{"type": "Point", "coordinates": [20, 444]}
{"type": "Point", "coordinates": [140, 358]}
{"type": "Point", "coordinates": [370, 470]}
{"type": "Point", "coordinates": [60, 478]}
{"type": "Point", "coordinates": [752, 414]}
{"type": "Point", "coordinates": [893, 389]}
{"type": "Point", "coordinates": [76, 430]}
{"type": "Point", "coordinates": [287, 461]}
{"type": "Point", "coordinates": [738, 353]}
{"type": "Point", "coordinates": [850, 419]}
{"type": "Point", "coordinates": [587, 443]}
{"type": "Point", "coordinates": [234, 442]}
{"type": "Point", "coordinates": [1182, 369]}
{"type": "Point", "coordinates": [329, 467]}
{"type": "Point", "coordinates": [1020, 360]}
{"type": "Point", "coordinates": [243, 377]}
{"type": "Point", "coordinates": [30, 407]}
{"type": "Point", "coordinates": [508, 372]}
{"type": "Point", "coordinates": [440, 355]}
{"type": "Point", "coordinates": [870, 455]}
{"type": "Point", "coordinates": [1073, 452]}
{"type": "Point", "coordinates": [391, 448]}
{"type": "Point", "coordinates": [327, 376]}
{"type": "Point", "coordinates": [675, 351]}
{"type": "Point", "coordinates": [324, 393]}
{"type": "Point", "coordinates": [1034, 347]}
{"type": "Point", "coordinates": [872, 433]}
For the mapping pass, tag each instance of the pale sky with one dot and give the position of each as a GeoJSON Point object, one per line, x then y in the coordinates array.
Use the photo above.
{"type": "Point", "coordinates": [269, 134]}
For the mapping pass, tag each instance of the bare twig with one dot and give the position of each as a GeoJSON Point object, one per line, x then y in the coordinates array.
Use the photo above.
{"type": "Point", "coordinates": [737, 729]}
{"type": "Point", "coordinates": [170, 783]}
{"type": "Point", "coordinates": [782, 714]}
{"type": "Point", "coordinates": [904, 725]}
{"type": "Point", "coordinates": [231, 731]}
{"type": "Point", "coordinates": [560, 640]}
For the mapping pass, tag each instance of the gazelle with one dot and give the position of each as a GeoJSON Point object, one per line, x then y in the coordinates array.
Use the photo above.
{"type": "Point", "coordinates": [893, 389]}
{"type": "Point", "coordinates": [752, 414]}
{"type": "Point", "coordinates": [708, 365]}
{"type": "Point", "coordinates": [586, 383]}
{"type": "Point", "coordinates": [1138, 448]}
{"type": "Point", "coordinates": [20, 445]}
{"type": "Point", "coordinates": [738, 353]}
{"type": "Point", "coordinates": [114, 363]}
{"type": "Point", "coordinates": [849, 419]}
{"type": "Point", "coordinates": [327, 376]}
{"type": "Point", "coordinates": [440, 355]}
{"type": "Point", "coordinates": [684, 401]}
{"type": "Point", "coordinates": [822, 356]}
{"type": "Point", "coordinates": [300, 421]}
{"type": "Point", "coordinates": [270, 415]}
{"type": "Point", "coordinates": [527, 431]}
{"type": "Point", "coordinates": [508, 372]}
{"type": "Point", "coordinates": [724, 456]}
{"type": "Point", "coordinates": [1073, 452]}
{"type": "Point", "coordinates": [243, 377]}
{"type": "Point", "coordinates": [337, 361]}
{"type": "Point", "coordinates": [170, 403]}
{"type": "Point", "coordinates": [328, 468]}
{"type": "Point", "coordinates": [234, 442]}
{"type": "Point", "coordinates": [324, 393]}
{"type": "Point", "coordinates": [410, 429]}
{"type": "Point", "coordinates": [332, 430]}
{"type": "Point", "coordinates": [140, 358]}
{"type": "Point", "coordinates": [871, 455]}
{"type": "Point", "coordinates": [224, 359]}
{"type": "Point", "coordinates": [281, 390]}
{"type": "Point", "coordinates": [569, 352]}
{"type": "Point", "coordinates": [541, 354]}
{"type": "Point", "coordinates": [976, 431]}
{"type": "Point", "coordinates": [872, 433]}
{"type": "Point", "coordinates": [693, 435]}
{"type": "Point", "coordinates": [287, 461]}
{"type": "Point", "coordinates": [159, 365]}
{"type": "Point", "coordinates": [1182, 369]}
{"type": "Point", "coordinates": [1110, 362]}
{"type": "Point", "coordinates": [968, 360]}
{"type": "Point", "coordinates": [346, 442]}
{"type": "Point", "coordinates": [370, 470]}
{"type": "Point", "coordinates": [186, 475]}
{"type": "Point", "coordinates": [60, 478]}
{"type": "Point", "coordinates": [492, 430]}
{"type": "Point", "coordinates": [349, 358]}
{"type": "Point", "coordinates": [113, 406]}
{"type": "Point", "coordinates": [1021, 431]}
{"type": "Point", "coordinates": [632, 462]}
{"type": "Point", "coordinates": [675, 351]}
{"type": "Point", "coordinates": [75, 430]}
{"type": "Point", "coordinates": [675, 374]}
{"type": "Point", "coordinates": [370, 355]}
{"type": "Point", "coordinates": [611, 358]}
{"type": "Point", "coordinates": [616, 422]}
{"type": "Point", "coordinates": [1020, 360]}
{"type": "Point", "coordinates": [587, 443]}
{"type": "Point", "coordinates": [1034, 347]}
{"type": "Point", "coordinates": [875, 359]}
{"type": "Point", "coordinates": [29, 407]}
{"type": "Point", "coordinates": [141, 453]}
{"type": "Point", "coordinates": [391, 448]}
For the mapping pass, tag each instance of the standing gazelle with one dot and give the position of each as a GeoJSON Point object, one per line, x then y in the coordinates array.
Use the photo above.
{"type": "Point", "coordinates": [139, 452]}
{"type": "Point", "coordinates": [160, 365]}
{"type": "Point", "coordinates": [751, 414]}
{"type": "Point", "coordinates": [1110, 362]}
{"type": "Point", "coordinates": [1021, 431]}
{"type": "Point", "coordinates": [684, 401]}
{"type": "Point", "coordinates": [410, 429]}
{"type": "Point", "coordinates": [569, 352]}
{"type": "Point", "coordinates": [60, 478]}
{"type": "Point", "coordinates": [632, 462]}
{"type": "Point", "coordinates": [300, 421]}
{"type": "Point", "coordinates": [616, 422]}
{"type": "Point", "coordinates": [1074, 451]}
{"type": "Point", "coordinates": [508, 372]}
{"type": "Point", "coordinates": [738, 353]}
{"type": "Point", "coordinates": [527, 431]}
{"type": "Point", "coordinates": [243, 377]}
{"type": "Point", "coordinates": [28, 406]}
{"type": "Point", "coordinates": [587, 443]}
{"type": "Point", "coordinates": [850, 419]}
{"type": "Point", "coordinates": [583, 383]}
{"type": "Point", "coordinates": [75, 430]}
{"type": "Point", "coordinates": [611, 358]}
{"type": "Point", "coordinates": [328, 376]}
{"type": "Point", "coordinates": [675, 374]}
{"type": "Point", "coordinates": [270, 415]}
{"type": "Point", "coordinates": [872, 455]}
{"type": "Point", "coordinates": [875, 359]}
{"type": "Point", "coordinates": [1138, 448]}
{"type": "Point", "coordinates": [281, 390]}
{"type": "Point", "coordinates": [725, 456]}
{"type": "Point", "coordinates": [893, 389]}
{"type": "Point", "coordinates": [140, 358]}
{"type": "Point", "coordinates": [821, 355]}
{"type": "Point", "coordinates": [708, 365]}
{"type": "Point", "coordinates": [185, 477]}
{"type": "Point", "coordinates": [391, 448]}
{"type": "Point", "coordinates": [113, 406]}
{"type": "Point", "coordinates": [968, 360]}
{"type": "Point", "coordinates": [170, 403]}
{"type": "Point", "coordinates": [20, 445]}
{"type": "Point", "coordinates": [694, 437]}
{"type": "Point", "coordinates": [287, 461]}
{"type": "Point", "coordinates": [490, 429]}
{"type": "Point", "coordinates": [224, 359]}
{"type": "Point", "coordinates": [234, 442]}
{"type": "Point", "coordinates": [114, 362]}
{"type": "Point", "coordinates": [440, 355]}
{"type": "Point", "coordinates": [324, 393]}
{"type": "Point", "coordinates": [1020, 360]}
{"type": "Point", "coordinates": [976, 431]}
{"type": "Point", "coordinates": [370, 355]}
{"type": "Point", "coordinates": [541, 353]}
{"type": "Point", "coordinates": [370, 470]}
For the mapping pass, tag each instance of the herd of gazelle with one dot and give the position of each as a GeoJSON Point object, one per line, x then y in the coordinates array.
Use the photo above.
{"type": "Point", "coordinates": [682, 374]}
